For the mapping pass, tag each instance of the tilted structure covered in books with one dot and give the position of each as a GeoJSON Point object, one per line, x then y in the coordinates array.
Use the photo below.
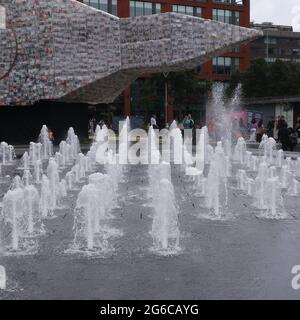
{"type": "Point", "coordinates": [67, 51]}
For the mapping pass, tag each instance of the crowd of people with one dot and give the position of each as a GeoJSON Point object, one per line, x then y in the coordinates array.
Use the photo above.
{"type": "Point", "coordinates": [278, 129]}
{"type": "Point", "coordinates": [186, 123]}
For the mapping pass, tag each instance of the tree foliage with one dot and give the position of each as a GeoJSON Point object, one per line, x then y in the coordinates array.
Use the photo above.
{"type": "Point", "coordinates": [184, 88]}
{"type": "Point", "coordinates": [264, 79]}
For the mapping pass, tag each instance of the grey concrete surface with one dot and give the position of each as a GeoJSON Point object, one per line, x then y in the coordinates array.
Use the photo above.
{"type": "Point", "coordinates": [244, 257]}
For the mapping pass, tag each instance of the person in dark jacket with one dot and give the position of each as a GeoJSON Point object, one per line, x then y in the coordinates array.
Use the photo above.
{"type": "Point", "coordinates": [293, 138]}
{"type": "Point", "coordinates": [284, 136]}
{"type": "Point", "coordinates": [259, 131]}
{"type": "Point", "coordinates": [270, 128]}
{"type": "Point", "coordinates": [298, 129]}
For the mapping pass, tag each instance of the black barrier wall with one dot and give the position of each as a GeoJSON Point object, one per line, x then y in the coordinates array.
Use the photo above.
{"type": "Point", "coordinates": [22, 124]}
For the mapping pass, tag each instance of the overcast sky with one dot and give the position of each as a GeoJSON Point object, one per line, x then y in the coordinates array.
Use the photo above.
{"type": "Point", "coordinates": [285, 12]}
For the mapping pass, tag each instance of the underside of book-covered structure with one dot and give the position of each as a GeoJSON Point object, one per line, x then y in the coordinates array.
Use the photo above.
{"type": "Point", "coordinates": [66, 51]}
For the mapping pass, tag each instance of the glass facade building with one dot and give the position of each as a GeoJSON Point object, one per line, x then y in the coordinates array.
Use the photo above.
{"type": "Point", "coordinates": [278, 43]}
{"type": "Point", "coordinates": [225, 65]}
{"type": "Point", "coordinates": [143, 8]}
{"type": "Point", "coordinates": [109, 6]}
{"type": "Point", "coordinates": [188, 10]}
{"type": "Point", "coordinates": [227, 16]}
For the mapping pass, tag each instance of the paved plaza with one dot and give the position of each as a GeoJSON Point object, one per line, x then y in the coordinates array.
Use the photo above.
{"type": "Point", "coordinates": [216, 213]}
{"type": "Point", "coordinates": [241, 257]}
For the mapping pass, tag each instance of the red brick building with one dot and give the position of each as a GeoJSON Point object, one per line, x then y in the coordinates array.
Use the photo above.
{"type": "Point", "coordinates": [229, 11]}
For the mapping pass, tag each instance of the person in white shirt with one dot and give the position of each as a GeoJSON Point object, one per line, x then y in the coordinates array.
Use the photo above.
{"type": "Point", "coordinates": [153, 122]}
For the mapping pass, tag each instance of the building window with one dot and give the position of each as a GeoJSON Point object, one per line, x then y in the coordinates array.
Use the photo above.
{"type": "Point", "coordinates": [188, 10]}
{"type": "Point", "coordinates": [225, 65]}
{"type": "Point", "coordinates": [114, 7]}
{"type": "Point", "coordinates": [141, 8]}
{"type": "Point", "coordinates": [230, 2]}
{"type": "Point", "coordinates": [109, 6]}
{"type": "Point", "coordinates": [296, 52]}
{"type": "Point", "coordinates": [236, 49]}
{"type": "Point", "coordinates": [227, 16]}
{"type": "Point", "coordinates": [270, 40]}
{"type": "Point", "coordinates": [270, 60]}
{"type": "Point", "coordinates": [2, 18]}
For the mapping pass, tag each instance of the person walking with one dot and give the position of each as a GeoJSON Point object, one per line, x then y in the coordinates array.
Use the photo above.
{"type": "Point", "coordinates": [92, 125]}
{"type": "Point", "coordinates": [192, 122]}
{"type": "Point", "coordinates": [51, 135]}
{"type": "Point", "coordinates": [259, 131]}
{"type": "Point", "coordinates": [284, 136]}
{"type": "Point", "coordinates": [188, 122]}
{"type": "Point", "coordinates": [101, 124]}
{"type": "Point", "coordinates": [153, 122]}
{"type": "Point", "coordinates": [253, 124]}
{"type": "Point", "coordinates": [276, 128]}
{"type": "Point", "coordinates": [270, 128]}
{"type": "Point", "coordinates": [298, 130]}
{"type": "Point", "coordinates": [293, 138]}
{"type": "Point", "coordinates": [242, 127]}
{"type": "Point", "coordinates": [181, 127]}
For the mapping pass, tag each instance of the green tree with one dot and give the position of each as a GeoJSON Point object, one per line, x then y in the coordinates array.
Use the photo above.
{"type": "Point", "coordinates": [236, 78]}
{"type": "Point", "coordinates": [255, 79]}
{"type": "Point", "coordinates": [184, 87]}
{"type": "Point", "coordinates": [293, 78]}
{"type": "Point", "coordinates": [277, 83]}
{"type": "Point", "coordinates": [262, 79]}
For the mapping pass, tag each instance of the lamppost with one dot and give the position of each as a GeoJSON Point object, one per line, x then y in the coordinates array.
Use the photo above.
{"type": "Point", "coordinates": [267, 45]}
{"type": "Point", "coordinates": [165, 74]}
